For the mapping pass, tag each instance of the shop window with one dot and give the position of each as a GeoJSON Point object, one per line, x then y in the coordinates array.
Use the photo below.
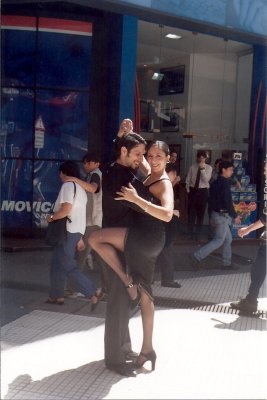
{"type": "Point", "coordinates": [61, 124]}
{"type": "Point", "coordinates": [16, 185]}
{"type": "Point", "coordinates": [46, 72]}
{"type": "Point", "coordinates": [16, 122]}
{"type": "Point", "coordinates": [64, 59]}
{"type": "Point", "coordinates": [18, 57]}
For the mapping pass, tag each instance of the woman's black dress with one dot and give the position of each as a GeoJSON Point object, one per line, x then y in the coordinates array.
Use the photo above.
{"type": "Point", "coordinates": [144, 242]}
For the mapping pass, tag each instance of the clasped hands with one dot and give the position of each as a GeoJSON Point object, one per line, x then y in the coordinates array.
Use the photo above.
{"type": "Point", "coordinates": [127, 193]}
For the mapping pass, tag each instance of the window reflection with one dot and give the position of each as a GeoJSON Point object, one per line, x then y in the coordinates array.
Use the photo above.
{"type": "Point", "coordinates": [64, 60]}
{"type": "Point", "coordinates": [16, 124]}
{"type": "Point", "coordinates": [18, 57]}
{"type": "Point", "coordinates": [16, 189]}
{"type": "Point", "coordinates": [61, 124]}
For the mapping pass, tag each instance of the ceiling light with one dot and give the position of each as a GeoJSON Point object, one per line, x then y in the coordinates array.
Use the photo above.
{"type": "Point", "coordinates": [173, 36]}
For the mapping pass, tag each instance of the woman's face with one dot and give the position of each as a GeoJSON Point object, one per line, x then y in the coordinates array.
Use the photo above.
{"type": "Point", "coordinates": [157, 159]}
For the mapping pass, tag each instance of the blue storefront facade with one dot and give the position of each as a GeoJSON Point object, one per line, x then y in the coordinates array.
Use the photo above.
{"type": "Point", "coordinates": [68, 78]}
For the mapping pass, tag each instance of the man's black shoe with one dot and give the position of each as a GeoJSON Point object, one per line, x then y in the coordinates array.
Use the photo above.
{"type": "Point", "coordinates": [173, 284]}
{"type": "Point", "coordinates": [228, 268]}
{"type": "Point", "coordinates": [124, 369]}
{"type": "Point", "coordinates": [131, 356]}
{"type": "Point", "coordinates": [246, 305]}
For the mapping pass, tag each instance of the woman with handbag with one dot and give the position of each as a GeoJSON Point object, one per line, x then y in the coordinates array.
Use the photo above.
{"type": "Point", "coordinates": [70, 207]}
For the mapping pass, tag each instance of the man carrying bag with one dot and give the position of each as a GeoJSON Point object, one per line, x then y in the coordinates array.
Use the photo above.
{"type": "Point", "coordinates": [70, 207]}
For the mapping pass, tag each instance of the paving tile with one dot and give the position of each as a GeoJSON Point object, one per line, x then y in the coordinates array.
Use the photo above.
{"type": "Point", "coordinates": [224, 355]}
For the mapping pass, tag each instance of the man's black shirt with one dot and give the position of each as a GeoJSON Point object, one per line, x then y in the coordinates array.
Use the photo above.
{"type": "Point", "coordinates": [119, 213]}
{"type": "Point", "coordinates": [220, 198]}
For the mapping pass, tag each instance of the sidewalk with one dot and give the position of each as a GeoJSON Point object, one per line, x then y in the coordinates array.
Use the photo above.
{"type": "Point", "coordinates": [205, 350]}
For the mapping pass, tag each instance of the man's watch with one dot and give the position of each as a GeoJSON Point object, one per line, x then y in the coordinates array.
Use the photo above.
{"type": "Point", "coordinates": [52, 217]}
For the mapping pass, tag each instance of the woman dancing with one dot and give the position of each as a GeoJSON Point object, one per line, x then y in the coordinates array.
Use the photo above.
{"type": "Point", "coordinates": [143, 241]}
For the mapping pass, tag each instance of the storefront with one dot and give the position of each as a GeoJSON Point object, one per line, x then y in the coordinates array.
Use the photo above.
{"type": "Point", "coordinates": [70, 75]}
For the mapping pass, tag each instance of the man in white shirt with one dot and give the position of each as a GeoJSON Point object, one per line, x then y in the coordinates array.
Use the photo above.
{"type": "Point", "coordinates": [197, 187]}
{"type": "Point", "coordinates": [71, 203]}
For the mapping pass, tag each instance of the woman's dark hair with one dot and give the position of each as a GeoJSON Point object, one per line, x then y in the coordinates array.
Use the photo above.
{"type": "Point", "coordinates": [129, 141]}
{"type": "Point", "coordinates": [70, 168]}
{"type": "Point", "coordinates": [161, 145]}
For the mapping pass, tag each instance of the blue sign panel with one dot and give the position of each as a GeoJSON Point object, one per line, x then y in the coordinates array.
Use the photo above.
{"type": "Point", "coordinates": [44, 119]}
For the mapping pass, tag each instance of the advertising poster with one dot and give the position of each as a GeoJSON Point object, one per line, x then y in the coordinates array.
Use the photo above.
{"type": "Point", "coordinates": [46, 74]}
{"type": "Point", "coordinates": [247, 211]}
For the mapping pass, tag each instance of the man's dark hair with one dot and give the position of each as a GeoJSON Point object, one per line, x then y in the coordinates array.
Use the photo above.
{"type": "Point", "coordinates": [91, 157]}
{"type": "Point", "coordinates": [201, 153]}
{"type": "Point", "coordinates": [224, 165]}
{"type": "Point", "coordinates": [70, 168]}
{"type": "Point", "coordinates": [171, 167]}
{"type": "Point", "coordinates": [129, 141]}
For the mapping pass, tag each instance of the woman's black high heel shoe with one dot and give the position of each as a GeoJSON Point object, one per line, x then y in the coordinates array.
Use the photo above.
{"type": "Point", "coordinates": [151, 356]}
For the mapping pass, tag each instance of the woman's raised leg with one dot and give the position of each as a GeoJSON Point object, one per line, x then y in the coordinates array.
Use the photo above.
{"type": "Point", "coordinates": [106, 242]}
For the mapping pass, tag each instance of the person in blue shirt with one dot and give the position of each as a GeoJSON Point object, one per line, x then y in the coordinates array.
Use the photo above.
{"type": "Point", "coordinates": [222, 214]}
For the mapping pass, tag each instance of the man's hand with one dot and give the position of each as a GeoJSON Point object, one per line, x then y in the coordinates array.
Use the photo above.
{"type": "Point", "coordinates": [176, 213]}
{"type": "Point", "coordinates": [80, 245]}
{"type": "Point", "coordinates": [237, 220]}
{"type": "Point", "coordinates": [243, 231]}
{"type": "Point", "coordinates": [125, 127]}
{"type": "Point", "coordinates": [127, 193]}
{"type": "Point", "coordinates": [176, 180]}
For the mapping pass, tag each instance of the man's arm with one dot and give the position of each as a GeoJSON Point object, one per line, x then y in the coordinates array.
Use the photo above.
{"type": "Point", "coordinates": [247, 229]}
{"type": "Point", "coordinates": [206, 174]}
{"type": "Point", "coordinates": [87, 186]}
{"type": "Point", "coordinates": [63, 212]}
{"type": "Point", "coordinates": [188, 179]}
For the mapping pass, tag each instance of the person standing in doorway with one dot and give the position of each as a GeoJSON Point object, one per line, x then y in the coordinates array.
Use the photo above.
{"type": "Point", "coordinates": [222, 213]}
{"type": "Point", "coordinates": [197, 187]}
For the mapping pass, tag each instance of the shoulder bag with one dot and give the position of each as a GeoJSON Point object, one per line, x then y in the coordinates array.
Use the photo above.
{"type": "Point", "coordinates": [57, 230]}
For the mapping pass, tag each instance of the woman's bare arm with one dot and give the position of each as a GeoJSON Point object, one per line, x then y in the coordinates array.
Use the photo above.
{"type": "Point", "coordinates": [163, 212]}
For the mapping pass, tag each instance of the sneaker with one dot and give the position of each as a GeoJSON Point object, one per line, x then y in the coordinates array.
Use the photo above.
{"type": "Point", "coordinates": [246, 305]}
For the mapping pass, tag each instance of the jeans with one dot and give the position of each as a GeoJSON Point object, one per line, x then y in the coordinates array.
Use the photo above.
{"type": "Point", "coordinates": [258, 272]}
{"type": "Point", "coordinates": [64, 266]}
{"type": "Point", "coordinates": [222, 237]}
